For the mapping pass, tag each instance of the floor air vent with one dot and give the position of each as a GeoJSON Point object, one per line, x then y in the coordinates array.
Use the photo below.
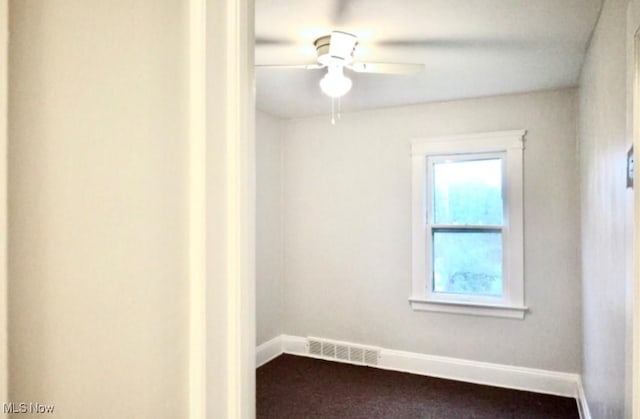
{"type": "Point", "coordinates": [315, 348]}
{"type": "Point", "coordinates": [343, 351]}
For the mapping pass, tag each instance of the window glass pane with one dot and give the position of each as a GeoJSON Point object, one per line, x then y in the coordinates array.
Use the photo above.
{"type": "Point", "coordinates": [467, 262]}
{"type": "Point", "coordinates": [468, 192]}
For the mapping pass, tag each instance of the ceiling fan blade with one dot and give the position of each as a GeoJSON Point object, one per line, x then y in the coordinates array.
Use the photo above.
{"type": "Point", "coordinates": [266, 41]}
{"type": "Point", "coordinates": [500, 43]}
{"type": "Point", "coordinates": [342, 44]}
{"type": "Point", "coordinates": [298, 66]}
{"type": "Point", "coordinates": [386, 68]}
{"type": "Point", "coordinates": [340, 9]}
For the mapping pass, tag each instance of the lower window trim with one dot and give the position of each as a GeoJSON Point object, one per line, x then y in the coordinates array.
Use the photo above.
{"type": "Point", "coordinates": [463, 307]}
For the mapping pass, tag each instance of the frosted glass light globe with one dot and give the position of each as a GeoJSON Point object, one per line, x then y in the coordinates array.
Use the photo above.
{"type": "Point", "coordinates": [334, 83]}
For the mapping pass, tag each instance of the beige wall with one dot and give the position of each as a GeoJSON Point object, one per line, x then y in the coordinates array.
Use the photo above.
{"type": "Point", "coordinates": [348, 231]}
{"type": "Point", "coordinates": [97, 207]}
{"type": "Point", "coordinates": [229, 199]}
{"type": "Point", "coordinates": [4, 357]}
{"type": "Point", "coordinates": [606, 223]}
{"type": "Point", "coordinates": [269, 292]}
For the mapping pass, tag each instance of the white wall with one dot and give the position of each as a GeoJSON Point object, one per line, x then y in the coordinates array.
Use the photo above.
{"type": "Point", "coordinates": [348, 231]}
{"type": "Point", "coordinates": [605, 222]}
{"type": "Point", "coordinates": [632, 362]}
{"type": "Point", "coordinates": [269, 291]}
{"type": "Point", "coordinates": [98, 170]}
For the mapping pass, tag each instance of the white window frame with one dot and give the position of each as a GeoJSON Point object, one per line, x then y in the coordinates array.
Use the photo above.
{"type": "Point", "coordinates": [509, 146]}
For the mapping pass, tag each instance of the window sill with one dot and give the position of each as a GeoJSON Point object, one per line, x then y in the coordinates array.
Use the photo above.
{"type": "Point", "coordinates": [475, 309]}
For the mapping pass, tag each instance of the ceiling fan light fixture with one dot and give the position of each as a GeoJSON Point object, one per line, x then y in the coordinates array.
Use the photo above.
{"type": "Point", "coordinates": [334, 84]}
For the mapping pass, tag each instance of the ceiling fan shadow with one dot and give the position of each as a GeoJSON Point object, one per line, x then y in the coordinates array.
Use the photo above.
{"type": "Point", "coordinates": [340, 12]}
{"type": "Point", "coordinates": [496, 43]}
{"type": "Point", "coordinates": [267, 41]}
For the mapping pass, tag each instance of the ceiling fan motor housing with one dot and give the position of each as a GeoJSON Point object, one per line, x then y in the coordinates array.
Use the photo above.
{"type": "Point", "coordinates": [336, 48]}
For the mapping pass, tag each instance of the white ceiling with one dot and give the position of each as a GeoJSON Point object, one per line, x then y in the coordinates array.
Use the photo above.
{"type": "Point", "coordinates": [471, 48]}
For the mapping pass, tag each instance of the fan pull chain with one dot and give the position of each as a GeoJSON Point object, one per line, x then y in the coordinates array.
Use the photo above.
{"type": "Point", "coordinates": [333, 111]}
{"type": "Point", "coordinates": [336, 110]}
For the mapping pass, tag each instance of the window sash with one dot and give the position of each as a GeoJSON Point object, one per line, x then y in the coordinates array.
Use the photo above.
{"type": "Point", "coordinates": [455, 158]}
{"type": "Point", "coordinates": [431, 227]}
{"type": "Point", "coordinates": [431, 283]}
{"type": "Point", "coordinates": [430, 268]}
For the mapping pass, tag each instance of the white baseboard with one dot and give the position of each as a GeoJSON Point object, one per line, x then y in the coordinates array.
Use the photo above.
{"type": "Point", "coordinates": [498, 375]}
{"type": "Point", "coordinates": [268, 350]}
{"type": "Point", "coordinates": [583, 406]}
{"type": "Point", "coordinates": [294, 345]}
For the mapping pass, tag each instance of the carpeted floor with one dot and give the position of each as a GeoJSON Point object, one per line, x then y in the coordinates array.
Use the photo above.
{"type": "Point", "coordinates": [294, 387]}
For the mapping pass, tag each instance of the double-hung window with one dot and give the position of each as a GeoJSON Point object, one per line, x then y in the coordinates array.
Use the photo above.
{"type": "Point", "coordinates": [467, 246]}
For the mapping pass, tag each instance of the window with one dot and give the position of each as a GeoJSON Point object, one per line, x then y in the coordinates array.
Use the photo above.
{"type": "Point", "coordinates": [467, 224]}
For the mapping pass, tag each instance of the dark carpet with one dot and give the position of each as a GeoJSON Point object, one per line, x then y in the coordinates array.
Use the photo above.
{"type": "Point", "coordinates": [299, 387]}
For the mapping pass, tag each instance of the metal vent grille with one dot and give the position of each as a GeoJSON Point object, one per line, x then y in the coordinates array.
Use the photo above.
{"type": "Point", "coordinates": [315, 347]}
{"type": "Point", "coordinates": [328, 349]}
{"type": "Point", "coordinates": [343, 351]}
{"type": "Point", "coordinates": [357, 355]}
{"type": "Point", "coordinates": [371, 357]}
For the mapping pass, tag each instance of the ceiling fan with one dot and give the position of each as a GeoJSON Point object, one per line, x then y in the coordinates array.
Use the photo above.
{"type": "Point", "coordinates": [335, 53]}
